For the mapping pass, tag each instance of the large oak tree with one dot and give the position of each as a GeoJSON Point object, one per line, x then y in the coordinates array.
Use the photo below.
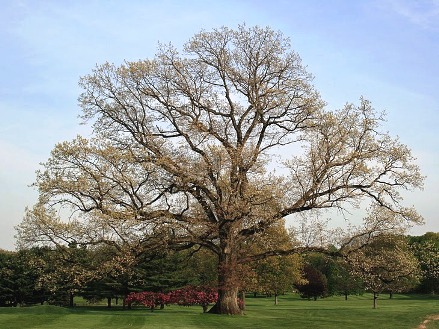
{"type": "Point", "coordinates": [186, 143]}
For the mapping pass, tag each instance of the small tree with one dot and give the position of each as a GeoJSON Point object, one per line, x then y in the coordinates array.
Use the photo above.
{"type": "Point", "coordinates": [341, 281]}
{"type": "Point", "coordinates": [198, 268]}
{"type": "Point", "coordinates": [386, 263]}
{"type": "Point", "coordinates": [337, 272]}
{"type": "Point", "coordinates": [426, 250]}
{"type": "Point", "coordinates": [315, 284]}
{"type": "Point", "coordinates": [278, 274]}
{"type": "Point", "coordinates": [65, 272]}
{"type": "Point", "coordinates": [17, 279]}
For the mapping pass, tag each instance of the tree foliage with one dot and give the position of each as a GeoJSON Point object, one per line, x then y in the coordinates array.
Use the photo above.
{"type": "Point", "coordinates": [339, 275]}
{"type": "Point", "coordinates": [277, 274]}
{"type": "Point", "coordinates": [182, 153]}
{"type": "Point", "coordinates": [315, 284]}
{"type": "Point", "coordinates": [386, 263]}
{"type": "Point", "coordinates": [18, 278]}
{"type": "Point", "coordinates": [426, 250]}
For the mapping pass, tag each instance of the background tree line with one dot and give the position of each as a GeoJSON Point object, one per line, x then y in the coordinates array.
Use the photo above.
{"type": "Point", "coordinates": [55, 275]}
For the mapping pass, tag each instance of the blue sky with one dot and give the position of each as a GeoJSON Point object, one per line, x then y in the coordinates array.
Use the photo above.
{"type": "Point", "coordinates": [384, 50]}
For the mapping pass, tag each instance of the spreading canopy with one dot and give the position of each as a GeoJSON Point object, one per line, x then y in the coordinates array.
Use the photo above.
{"type": "Point", "coordinates": [187, 143]}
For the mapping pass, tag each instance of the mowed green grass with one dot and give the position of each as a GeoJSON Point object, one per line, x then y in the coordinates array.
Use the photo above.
{"type": "Point", "coordinates": [403, 311]}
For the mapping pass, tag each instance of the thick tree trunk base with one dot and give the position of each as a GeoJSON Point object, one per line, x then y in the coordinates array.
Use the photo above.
{"type": "Point", "coordinates": [217, 309]}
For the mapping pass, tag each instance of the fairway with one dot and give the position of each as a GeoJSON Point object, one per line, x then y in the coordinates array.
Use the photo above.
{"type": "Point", "coordinates": [403, 311]}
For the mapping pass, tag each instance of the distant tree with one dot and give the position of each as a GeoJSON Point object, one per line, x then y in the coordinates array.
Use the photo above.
{"type": "Point", "coordinates": [65, 272]}
{"type": "Point", "coordinates": [124, 272]}
{"type": "Point", "coordinates": [119, 274]}
{"type": "Point", "coordinates": [341, 281]}
{"type": "Point", "coordinates": [18, 277]}
{"type": "Point", "coordinates": [10, 294]}
{"type": "Point", "coordinates": [278, 274]}
{"type": "Point", "coordinates": [338, 274]}
{"type": "Point", "coordinates": [426, 250]}
{"type": "Point", "coordinates": [168, 270]}
{"type": "Point", "coordinates": [116, 247]}
{"type": "Point", "coordinates": [106, 282]}
{"type": "Point", "coordinates": [199, 268]}
{"type": "Point", "coordinates": [385, 263]}
{"type": "Point", "coordinates": [315, 284]}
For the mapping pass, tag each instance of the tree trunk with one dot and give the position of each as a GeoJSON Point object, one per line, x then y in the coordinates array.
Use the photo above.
{"type": "Point", "coordinates": [227, 281]}
{"type": "Point", "coordinates": [276, 299]}
{"type": "Point", "coordinates": [242, 300]}
{"type": "Point", "coordinates": [227, 302]}
{"type": "Point", "coordinates": [375, 297]}
{"type": "Point", "coordinates": [71, 304]}
{"type": "Point", "coordinates": [125, 304]}
{"type": "Point", "coordinates": [109, 302]}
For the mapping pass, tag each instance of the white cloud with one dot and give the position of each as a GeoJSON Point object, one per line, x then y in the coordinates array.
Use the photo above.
{"type": "Point", "coordinates": [424, 13]}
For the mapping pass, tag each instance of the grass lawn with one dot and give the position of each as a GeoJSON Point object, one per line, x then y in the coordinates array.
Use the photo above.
{"type": "Point", "coordinates": [403, 311]}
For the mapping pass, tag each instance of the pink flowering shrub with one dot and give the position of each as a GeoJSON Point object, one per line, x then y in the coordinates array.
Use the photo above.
{"type": "Point", "coordinates": [189, 296]}
{"type": "Point", "coordinates": [186, 296]}
{"type": "Point", "coordinates": [148, 299]}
